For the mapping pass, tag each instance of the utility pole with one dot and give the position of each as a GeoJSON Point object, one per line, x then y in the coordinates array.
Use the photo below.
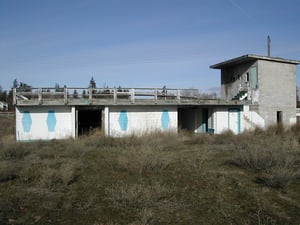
{"type": "Point", "coordinates": [269, 46]}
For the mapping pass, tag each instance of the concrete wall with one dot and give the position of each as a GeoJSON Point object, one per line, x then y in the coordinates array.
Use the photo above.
{"type": "Point", "coordinates": [228, 118]}
{"type": "Point", "coordinates": [251, 119]}
{"type": "Point", "coordinates": [277, 85]}
{"type": "Point", "coordinates": [46, 123]}
{"type": "Point", "coordinates": [139, 120]}
{"type": "Point", "coordinates": [233, 79]}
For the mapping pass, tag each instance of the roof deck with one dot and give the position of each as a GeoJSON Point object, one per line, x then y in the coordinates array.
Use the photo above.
{"type": "Point", "coordinates": [112, 96]}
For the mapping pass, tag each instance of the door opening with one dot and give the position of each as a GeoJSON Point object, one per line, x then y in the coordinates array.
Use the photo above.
{"type": "Point", "coordinates": [190, 119]}
{"type": "Point", "coordinates": [279, 117]}
{"type": "Point", "coordinates": [88, 120]}
{"type": "Point", "coordinates": [204, 120]}
{"type": "Point", "coordinates": [234, 120]}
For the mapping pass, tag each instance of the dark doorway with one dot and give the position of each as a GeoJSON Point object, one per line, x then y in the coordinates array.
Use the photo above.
{"type": "Point", "coordinates": [204, 120]}
{"type": "Point", "coordinates": [279, 117]}
{"type": "Point", "coordinates": [186, 119]}
{"type": "Point", "coordinates": [88, 119]}
{"type": "Point", "coordinates": [189, 119]}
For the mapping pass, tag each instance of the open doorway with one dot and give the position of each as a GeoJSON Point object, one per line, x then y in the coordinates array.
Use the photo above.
{"type": "Point", "coordinates": [279, 117]}
{"type": "Point", "coordinates": [205, 120]}
{"type": "Point", "coordinates": [189, 119]}
{"type": "Point", "coordinates": [234, 120]}
{"type": "Point", "coordinates": [88, 120]}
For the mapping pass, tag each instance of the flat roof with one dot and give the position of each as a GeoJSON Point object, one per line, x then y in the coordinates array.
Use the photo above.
{"type": "Point", "coordinates": [251, 58]}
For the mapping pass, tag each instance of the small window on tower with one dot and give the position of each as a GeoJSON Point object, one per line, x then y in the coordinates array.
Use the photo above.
{"type": "Point", "coordinates": [234, 78]}
{"type": "Point", "coordinates": [247, 77]}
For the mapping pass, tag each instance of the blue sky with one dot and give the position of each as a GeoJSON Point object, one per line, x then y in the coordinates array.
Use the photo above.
{"type": "Point", "coordinates": [139, 43]}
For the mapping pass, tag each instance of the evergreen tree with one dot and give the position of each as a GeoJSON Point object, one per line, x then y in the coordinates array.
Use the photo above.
{"type": "Point", "coordinates": [3, 94]}
{"type": "Point", "coordinates": [75, 94]}
{"type": "Point", "coordinates": [84, 94]}
{"type": "Point", "coordinates": [93, 85]}
{"type": "Point", "coordinates": [24, 87]}
{"type": "Point", "coordinates": [57, 87]}
{"type": "Point", "coordinates": [15, 83]}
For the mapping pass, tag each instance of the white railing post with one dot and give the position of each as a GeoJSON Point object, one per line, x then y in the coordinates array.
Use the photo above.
{"type": "Point", "coordinates": [14, 96]}
{"type": "Point", "coordinates": [65, 95]}
{"type": "Point", "coordinates": [115, 95]}
{"type": "Point", "coordinates": [132, 95]}
{"type": "Point", "coordinates": [91, 96]}
{"type": "Point", "coordinates": [155, 95]}
{"type": "Point", "coordinates": [178, 95]}
{"type": "Point", "coordinates": [40, 97]}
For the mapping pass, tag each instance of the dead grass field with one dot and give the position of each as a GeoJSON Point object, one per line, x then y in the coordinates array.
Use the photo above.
{"type": "Point", "coordinates": [253, 178]}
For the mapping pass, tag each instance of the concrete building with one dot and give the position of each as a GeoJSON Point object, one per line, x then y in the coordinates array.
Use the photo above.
{"type": "Point", "coordinates": [267, 85]}
{"type": "Point", "coordinates": [256, 91]}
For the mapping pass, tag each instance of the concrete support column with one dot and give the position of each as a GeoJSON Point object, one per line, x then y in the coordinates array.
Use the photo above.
{"type": "Point", "coordinates": [40, 99]}
{"type": "Point", "coordinates": [115, 95]}
{"type": "Point", "coordinates": [106, 121]}
{"type": "Point", "coordinates": [91, 96]}
{"type": "Point", "coordinates": [65, 95]}
{"type": "Point", "coordinates": [74, 122]}
{"type": "Point", "coordinates": [132, 95]}
{"type": "Point", "coordinates": [178, 96]}
{"type": "Point", "coordinates": [14, 96]}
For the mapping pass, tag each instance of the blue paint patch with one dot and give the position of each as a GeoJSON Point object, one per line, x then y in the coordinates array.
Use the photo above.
{"type": "Point", "coordinates": [165, 120]}
{"type": "Point", "coordinates": [51, 121]}
{"type": "Point", "coordinates": [26, 121]}
{"type": "Point", "coordinates": [123, 120]}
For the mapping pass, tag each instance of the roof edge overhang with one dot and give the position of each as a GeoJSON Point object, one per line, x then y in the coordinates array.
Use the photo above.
{"type": "Point", "coordinates": [251, 58]}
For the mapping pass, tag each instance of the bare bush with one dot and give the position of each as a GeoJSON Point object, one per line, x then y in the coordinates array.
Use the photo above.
{"type": "Point", "coordinates": [8, 171]}
{"type": "Point", "coordinates": [254, 158]}
{"type": "Point", "coordinates": [273, 156]}
{"type": "Point", "coordinates": [281, 174]}
{"type": "Point", "coordinates": [141, 161]}
{"type": "Point", "coordinates": [149, 204]}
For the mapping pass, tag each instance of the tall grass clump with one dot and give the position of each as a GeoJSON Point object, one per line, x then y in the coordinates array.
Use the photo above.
{"type": "Point", "coordinates": [273, 155]}
{"type": "Point", "coordinates": [144, 203]}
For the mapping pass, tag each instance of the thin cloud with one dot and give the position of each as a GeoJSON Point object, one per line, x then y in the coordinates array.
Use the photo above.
{"type": "Point", "coordinates": [242, 10]}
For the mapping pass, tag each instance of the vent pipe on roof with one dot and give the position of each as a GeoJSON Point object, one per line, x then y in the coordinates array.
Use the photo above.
{"type": "Point", "coordinates": [269, 46]}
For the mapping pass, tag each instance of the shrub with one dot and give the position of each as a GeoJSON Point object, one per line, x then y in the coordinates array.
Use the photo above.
{"type": "Point", "coordinates": [281, 174]}
{"type": "Point", "coordinates": [8, 171]}
{"type": "Point", "coordinates": [145, 203]}
{"type": "Point", "coordinates": [254, 158]}
{"type": "Point", "coordinates": [273, 156]}
{"type": "Point", "coordinates": [140, 161]}
{"type": "Point", "coordinates": [227, 137]}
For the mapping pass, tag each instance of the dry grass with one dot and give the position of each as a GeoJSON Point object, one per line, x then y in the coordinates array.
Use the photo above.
{"type": "Point", "coordinates": [160, 178]}
{"type": "Point", "coordinates": [274, 156]}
